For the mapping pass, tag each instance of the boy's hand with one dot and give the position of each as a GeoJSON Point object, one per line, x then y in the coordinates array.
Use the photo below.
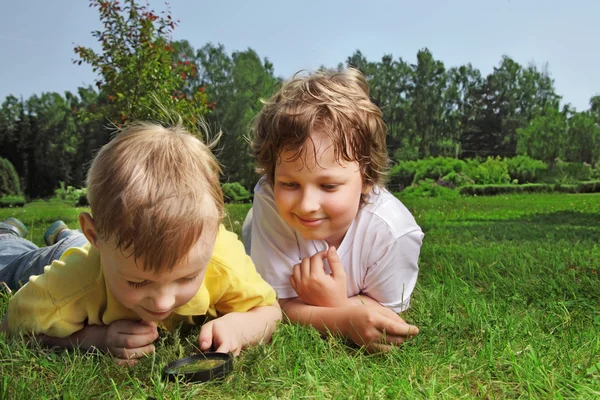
{"type": "Point", "coordinates": [377, 327]}
{"type": "Point", "coordinates": [317, 288]}
{"type": "Point", "coordinates": [223, 333]}
{"type": "Point", "coordinates": [127, 341]}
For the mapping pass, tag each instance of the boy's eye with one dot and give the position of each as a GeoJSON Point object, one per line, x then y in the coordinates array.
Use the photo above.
{"type": "Point", "coordinates": [136, 285]}
{"type": "Point", "coordinates": [289, 185]}
{"type": "Point", "coordinates": [189, 279]}
{"type": "Point", "coordinates": [329, 186]}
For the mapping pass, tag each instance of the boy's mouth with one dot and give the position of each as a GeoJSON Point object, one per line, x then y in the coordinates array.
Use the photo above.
{"type": "Point", "coordinates": [310, 222]}
{"type": "Point", "coordinates": [159, 314]}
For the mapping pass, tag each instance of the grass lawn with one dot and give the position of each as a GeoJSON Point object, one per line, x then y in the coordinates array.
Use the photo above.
{"type": "Point", "coordinates": [508, 304]}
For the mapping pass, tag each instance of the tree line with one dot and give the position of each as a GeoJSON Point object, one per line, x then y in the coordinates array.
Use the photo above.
{"type": "Point", "coordinates": [430, 109]}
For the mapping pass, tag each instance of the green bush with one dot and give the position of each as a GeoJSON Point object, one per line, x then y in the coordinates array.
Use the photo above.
{"type": "Point", "coordinates": [525, 169]}
{"type": "Point", "coordinates": [492, 171]}
{"type": "Point", "coordinates": [429, 188]}
{"type": "Point", "coordinates": [455, 179]}
{"type": "Point", "coordinates": [569, 172]}
{"type": "Point", "coordinates": [71, 194]}
{"type": "Point", "coordinates": [436, 168]}
{"type": "Point", "coordinates": [9, 179]}
{"type": "Point", "coordinates": [12, 201]}
{"type": "Point", "coordinates": [235, 193]}
{"type": "Point", "coordinates": [403, 174]}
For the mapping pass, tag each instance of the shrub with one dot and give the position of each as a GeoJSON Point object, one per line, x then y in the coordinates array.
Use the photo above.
{"type": "Point", "coordinates": [12, 201]}
{"type": "Point", "coordinates": [9, 179]}
{"type": "Point", "coordinates": [455, 179]}
{"type": "Point", "coordinates": [429, 188]}
{"type": "Point", "coordinates": [436, 168]}
{"type": "Point", "coordinates": [402, 174]}
{"type": "Point", "coordinates": [71, 194]}
{"type": "Point", "coordinates": [492, 171]}
{"type": "Point", "coordinates": [235, 193]}
{"type": "Point", "coordinates": [525, 169]}
{"type": "Point", "coordinates": [569, 172]}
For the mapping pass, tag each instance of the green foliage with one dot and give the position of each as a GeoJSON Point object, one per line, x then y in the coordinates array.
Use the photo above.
{"type": "Point", "coordinates": [436, 168]}
{"type": "Point", "coordinates": [9, 179]}
{"type": "Point", "coordinates": [525, 169]}
{"type": "Point", "coordinates": [236, 83]}
{"type": "Point", "coordinates": [492, 171]}
{"type": "Point", "coordinates": [429, 188]}
{"type": "Point", "coordinates": [545, 136]}
{"type": "Point", "coordinates": [456, 179]}
{"type": "Point", "coordinates": [583, 139]}
{"type": "Point", "coordinates": [71, 194]}
{"type": "Point", "coordinates": [564, 172]}
{"type": "Point", "coordinates": [403, 174]}
{"type": "Point", "coordinates": [137, 75]}
{"type": "Point", "coordinates": [12, 201]}
{"type": "Point", "coordinates": [235, 193]}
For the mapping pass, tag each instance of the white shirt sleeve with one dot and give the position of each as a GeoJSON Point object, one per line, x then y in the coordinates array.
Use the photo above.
{"type": "Point", "coordinates": [393, 277]}
{"type": "Point", "coordinates": [274, 247]}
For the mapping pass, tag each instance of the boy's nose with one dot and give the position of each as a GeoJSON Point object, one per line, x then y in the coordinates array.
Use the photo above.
{"type": "Point", "coordinates": [164, 300]}
{"type": "Point", "coordinates": [309, 201]}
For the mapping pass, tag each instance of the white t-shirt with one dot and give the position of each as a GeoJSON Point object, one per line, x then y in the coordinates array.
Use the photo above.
{"type": "Point", "coordinates": [379, 252]}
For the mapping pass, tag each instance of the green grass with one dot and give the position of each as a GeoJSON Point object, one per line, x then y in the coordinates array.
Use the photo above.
{"type": "Point", "coordinates": [508, 303]}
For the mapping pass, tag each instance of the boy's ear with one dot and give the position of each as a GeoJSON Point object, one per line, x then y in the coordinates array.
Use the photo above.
{"type": "Point", "coordinates": [88, 228]}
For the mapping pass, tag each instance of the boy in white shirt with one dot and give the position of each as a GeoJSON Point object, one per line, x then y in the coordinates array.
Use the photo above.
{"type": "Point", "coordinates": [338, 248]}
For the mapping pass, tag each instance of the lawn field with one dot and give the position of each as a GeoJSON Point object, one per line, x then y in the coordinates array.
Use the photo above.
{"type": "Point", "coordinates": [507, 302]}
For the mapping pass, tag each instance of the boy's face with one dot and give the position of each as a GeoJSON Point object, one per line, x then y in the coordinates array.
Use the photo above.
{"type": "Point", "coordinates": [319, 196]}
{"type": "Point", "coordinates": [153, 296]}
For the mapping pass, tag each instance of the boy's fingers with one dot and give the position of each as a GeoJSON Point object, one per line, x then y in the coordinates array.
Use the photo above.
{"type": "Point", "coordinates": [135, 327]}
{"type": "Point", "coordinates": [395, 328]}
{"type": "Point", "coordinates": [305, 267]}
{"type": "Point", "coordinates": [205, 338]}
{"type": "Point", "coordinates": [293, 282]}
{"type": "Point", "coordinates": [296, 273]}
{"type": "Point", "coordinates": [317, 267]}
{"type": "Point", "coordinates": [134, 341]}
{"type": "Point", "coordinates": [223, 348]}
{"type": "Point", "coordinates": [334, 262]}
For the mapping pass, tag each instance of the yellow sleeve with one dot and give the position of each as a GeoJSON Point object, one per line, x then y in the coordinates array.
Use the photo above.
{"type": "Point", "coordinates": [232, 280]}
{"type": "Point", "coordinates": [54, 303]}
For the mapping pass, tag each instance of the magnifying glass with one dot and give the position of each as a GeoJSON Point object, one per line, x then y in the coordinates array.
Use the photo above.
{"type": "Point", "coordinates": [201, 367]}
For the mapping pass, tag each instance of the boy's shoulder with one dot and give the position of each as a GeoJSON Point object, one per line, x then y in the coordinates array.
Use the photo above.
{"type": "Point", "coordinates": [76, 271]}
{"type": "Point", "coordinates": [385, 212]}
{"type": "Point", "coordinates": [228, 252]}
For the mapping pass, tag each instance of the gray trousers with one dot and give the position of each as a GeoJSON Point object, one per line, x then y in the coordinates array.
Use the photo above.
{"type": "Point", "coordinates": [20, 258]}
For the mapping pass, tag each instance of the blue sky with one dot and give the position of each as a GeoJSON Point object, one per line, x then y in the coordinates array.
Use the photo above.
{"type": "Point", "coordinates": [37, 36]}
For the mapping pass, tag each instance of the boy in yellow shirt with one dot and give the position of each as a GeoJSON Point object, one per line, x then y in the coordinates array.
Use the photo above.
{"type": "Point", "coordinates": [156, 255]}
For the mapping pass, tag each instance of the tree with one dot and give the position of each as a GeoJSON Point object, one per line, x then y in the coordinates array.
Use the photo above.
{"type": "Point", "coordinates": [235, 86]}
{"type": "Point", "coordinates": [137, 76]}
{"type": "Point", "coordinates": [545, 137]}
{"type": "Point", "coordinates": [583, 139]}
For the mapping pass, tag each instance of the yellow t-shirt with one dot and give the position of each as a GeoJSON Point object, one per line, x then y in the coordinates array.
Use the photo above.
{"type": "Point", "coordinates": [72, 292]}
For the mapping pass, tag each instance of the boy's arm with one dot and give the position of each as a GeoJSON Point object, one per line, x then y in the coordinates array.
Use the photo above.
{"type": "Point", "coordinates": [126, 341]}
{"type": "Point", "coordinates": [363, 320]}
{"type": "Point", "coordinates": [234, 331]}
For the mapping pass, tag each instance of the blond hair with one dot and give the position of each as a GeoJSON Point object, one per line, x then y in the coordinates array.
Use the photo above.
{"type": "Point", "coordinates": [335, 103]}
{"type": "Point", "coordinates": [154, 190]}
